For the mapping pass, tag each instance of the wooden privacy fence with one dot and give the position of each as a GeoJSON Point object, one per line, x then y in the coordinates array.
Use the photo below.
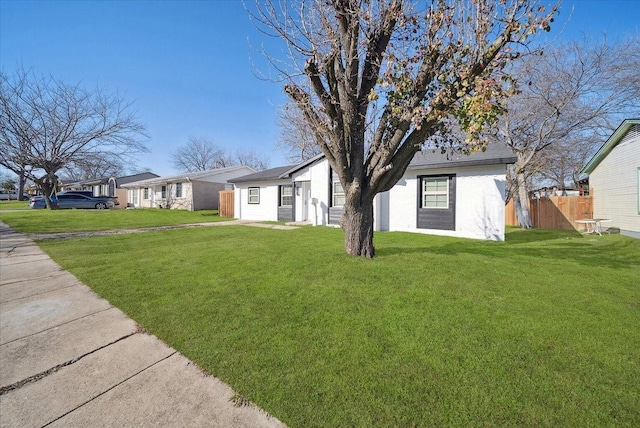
{"type": "Point", "coordinates": [226, 203]}
{"type": "Point", "coordinates": [556, 212]}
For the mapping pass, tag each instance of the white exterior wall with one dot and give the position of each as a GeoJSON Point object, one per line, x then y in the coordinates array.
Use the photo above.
{"type": "Point", "coordinates": [156, 200]}
{"type": "Point", "coordinates": [615, 187]}
{"type": "Point", "coordinates": [480, 196]}
{"type": "Point", "coordinates": [146, 203]}
{"type": "Point", "coordinates": [318, 176]}
{"type": "Point", "coordinates": [135, 197]}
{"type": "Point", "coordinates": [266, 210]}
{"type": "Point", "coordinates": [184, 202]}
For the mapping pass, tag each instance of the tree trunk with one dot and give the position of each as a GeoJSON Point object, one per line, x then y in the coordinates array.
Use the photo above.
{"type": "Point", "coordinates": [48, 185]}
{"type": "Point", "coordinates": [21, 183]}
{"type": "Point", "coordinates": [521, 200]}
{"type": "Point", "coordinates": [357, 225]}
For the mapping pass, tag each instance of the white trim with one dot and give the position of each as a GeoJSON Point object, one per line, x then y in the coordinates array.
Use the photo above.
{"type": "Point", "coordinates": [436, 193]}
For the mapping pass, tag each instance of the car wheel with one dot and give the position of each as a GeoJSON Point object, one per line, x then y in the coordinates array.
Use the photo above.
{"type": "Point", "coordinates": [101, 206]}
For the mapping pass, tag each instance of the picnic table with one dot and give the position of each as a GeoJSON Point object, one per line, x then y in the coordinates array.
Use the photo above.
{"type": "Point", "coordinates": [593, 225]}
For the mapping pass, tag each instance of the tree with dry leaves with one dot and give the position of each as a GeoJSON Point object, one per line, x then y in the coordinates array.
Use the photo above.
{"type": "Point", "coordinates": [376, 79]}
{"type": "Point", "coordinates": [570, 98]}
{"type": "Point", "coordinates": [46, 125]}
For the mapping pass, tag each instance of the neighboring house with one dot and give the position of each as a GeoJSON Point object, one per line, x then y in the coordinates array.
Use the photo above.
{"type": "Point", "coordinates": [460, 196]}
{"type": "Point", "coordinates": [109, 186]}
{"type": "Point", "coordinates": [614, 179]}
{"type": "Point", "coordinates": [547, 192]}
{"type": "Point", "coordinates": [190, 191]}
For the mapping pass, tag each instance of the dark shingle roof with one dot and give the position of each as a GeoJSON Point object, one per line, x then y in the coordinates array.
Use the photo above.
{"type": "Point", "coordinates": [136, 177]}
{"type": "Point", "coordinates": [272, 174]}
{"type": "Point", "coordinates": [494, 154]}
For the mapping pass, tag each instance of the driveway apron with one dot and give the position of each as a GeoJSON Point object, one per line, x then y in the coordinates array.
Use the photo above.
{"type": "Point", "coordinates": [69, 358]}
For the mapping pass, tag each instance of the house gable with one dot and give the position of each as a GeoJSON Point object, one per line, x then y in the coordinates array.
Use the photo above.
{"type": "Point", "coordinates": [628, 131]}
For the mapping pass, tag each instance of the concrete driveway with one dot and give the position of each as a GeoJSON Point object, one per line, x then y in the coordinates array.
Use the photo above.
{"type": "Point", "coordinates": [69, 358]}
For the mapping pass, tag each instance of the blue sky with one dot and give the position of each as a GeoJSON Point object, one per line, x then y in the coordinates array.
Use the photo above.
{"type": "Point", "coordinates": [187, 65]}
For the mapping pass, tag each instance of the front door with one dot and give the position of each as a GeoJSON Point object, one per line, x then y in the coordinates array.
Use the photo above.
{"type": "Point", "coordinates": [303, 199]}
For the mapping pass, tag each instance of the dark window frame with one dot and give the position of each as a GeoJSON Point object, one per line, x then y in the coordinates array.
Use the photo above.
{"type": "Point", "coordinates": [281, 195]}
{"type": "Point", "coordinates": [249, 195]}
{"type": "Point", "coordinates": [436, 218]}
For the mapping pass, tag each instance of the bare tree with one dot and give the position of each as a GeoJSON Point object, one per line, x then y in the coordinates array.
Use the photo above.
{"type": "Point", "coordinates": [93, 166]}
{"type": "Point", "coordinates": [296, 140]}
{"type": "Point", "coordinates": [46, 124]}
{"type": "Point", "coordinates": [248, 157]}
{"type": "Point", "coordinates": [398, 71]}
{"type": "Point", "coordinates": [560, 163]}
{"type": "Point", "coordinates": [199, 154]}
{"type": "Point", "coordinates": [571, 97]}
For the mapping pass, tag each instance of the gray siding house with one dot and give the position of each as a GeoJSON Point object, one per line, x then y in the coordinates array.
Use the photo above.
{"type": "Point", "coordinates": [614, 179]}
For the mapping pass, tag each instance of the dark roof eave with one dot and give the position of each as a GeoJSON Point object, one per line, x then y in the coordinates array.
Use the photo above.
{"type": "Point", "coordinates": [301, 165]}
{"type": "Point", "coordinates": [258, 180]}
{"type": "Point", "coordinates": [456, 164]}
{"type": "Point", "coordinates": [272, 174]}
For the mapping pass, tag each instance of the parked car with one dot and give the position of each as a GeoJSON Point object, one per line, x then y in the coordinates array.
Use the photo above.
{"type": "Point", "coordinates": [73, 200]}
{"type": "Point", "coordinates": [89, 193]}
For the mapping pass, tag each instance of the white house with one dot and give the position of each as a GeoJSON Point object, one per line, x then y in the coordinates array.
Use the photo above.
{"type": "Point", "coordinates": [191, 191]}
{"type": "Point", "coordinates": [458, 195]}
{"type": "Point", "coordinates": [614, 179]}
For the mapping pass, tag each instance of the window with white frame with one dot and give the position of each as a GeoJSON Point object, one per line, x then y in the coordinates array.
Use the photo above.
{"type": "Point", "coordinates": [254, 195]}
{"type": "Point", "coordinates": [178, 190]}
{"type": "Point", "coordinates": [145, 193]}
{"type": "Point", "coordinates": [435, 192]}
{"type": "Point", "coordinates": [286, 195]}
{"type": "Point", "coordinates": [163, 192]}
{"type": "Point", "coordinates": [337, 194]}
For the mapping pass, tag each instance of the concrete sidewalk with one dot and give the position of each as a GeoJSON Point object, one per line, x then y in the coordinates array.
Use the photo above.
{"type": "Point", "coordinates": [69, 358]}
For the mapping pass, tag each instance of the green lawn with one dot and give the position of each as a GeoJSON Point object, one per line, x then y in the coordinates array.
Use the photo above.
{"type": "Point", "coordinates": [14, 205]}
{"type": "Point", "coordinates": [540, 330]}
{"type": "Point", "coordinates": [48, 221]}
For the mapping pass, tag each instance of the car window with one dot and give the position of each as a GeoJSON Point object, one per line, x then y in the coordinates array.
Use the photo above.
{"type": "Point", "coordinates": [71, 197]}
